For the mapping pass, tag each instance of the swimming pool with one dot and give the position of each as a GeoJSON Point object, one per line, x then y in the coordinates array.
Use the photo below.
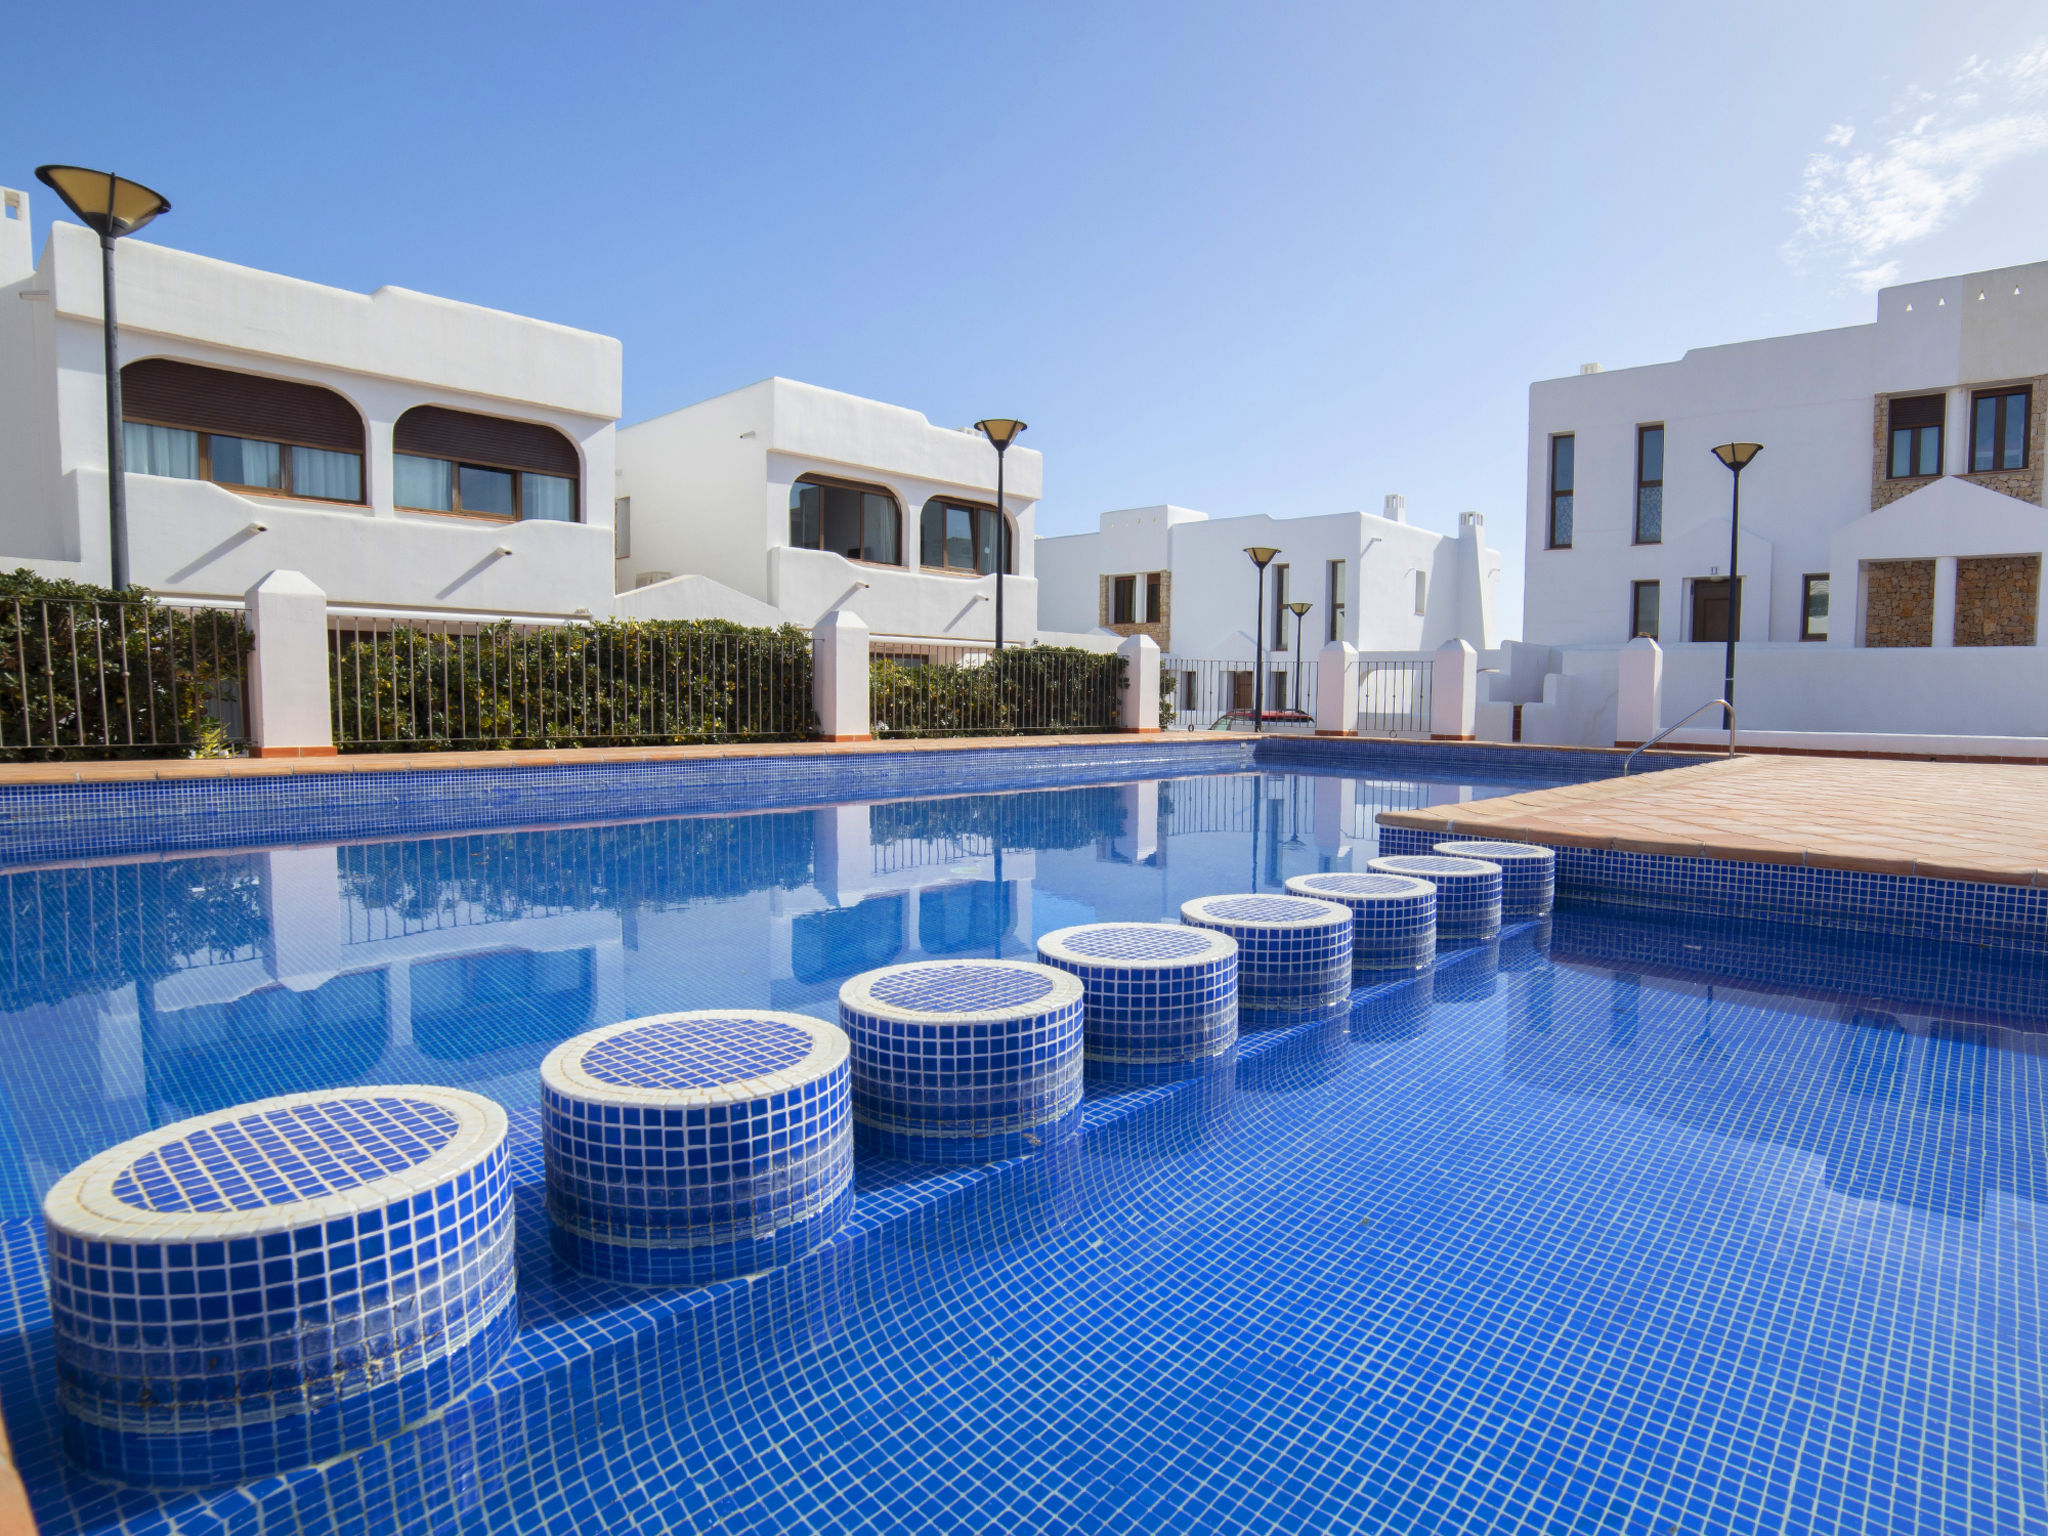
{"type": "Point", "coordinates": [1625, 1222]}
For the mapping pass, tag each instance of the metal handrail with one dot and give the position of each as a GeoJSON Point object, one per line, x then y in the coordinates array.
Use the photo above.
{"type": "Point", "coordinates": [1710, 704]}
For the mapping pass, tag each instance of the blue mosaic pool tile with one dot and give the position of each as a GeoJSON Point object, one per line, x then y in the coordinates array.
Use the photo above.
{"type": "Point", "coordinates": [1393, 917]}
{"type": "Point", "coordinates": [1155, 992]}
{"type": "Point", "coordinates": [1293, 954]}
{"type": "Point", "coordinates": [690, 1147]}
{"type": "Point", "coordinates": [1467, 891]}
{"type": "Point", "coordinates": [1528, 872]}
{"type": "Point", "coordinates": [279, 1283]}
{"type": "Point", "coordinates": [963, 1061]}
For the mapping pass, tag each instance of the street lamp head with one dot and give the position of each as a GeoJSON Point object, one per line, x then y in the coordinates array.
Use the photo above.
{"type": "Point", "coordinates": [999, 431]}
{"type": "Point", "coordinates": [1298, 609]}
{"type": "Point", "coordinates": [1737, 455]}
{"type": "Point", "coordinates": [1261, 555]}
{"type": "Point", "coordinates": [108, 205]}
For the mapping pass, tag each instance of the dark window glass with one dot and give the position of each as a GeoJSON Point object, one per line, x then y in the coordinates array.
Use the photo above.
{"type": "Point", "coordinates": [931, 544]}
{"type": "Point", "coordinates": [488, 491]}
{"type": "Point", "coordinates": [1561, 453]}
{"type": "Point", "coordinates": [1650, 485]}
{"type": "Point", "coordinates": [1152, 598]}
{"type": "Point", "coordinates": [988, 529]}
{"type": "Point", "coordinates": [958, 536]}
{"type": "Point", "coordinates": [806, 515]}
{"type": "Point", "coordinates": [241, 461]}
{"type": "Point", "coordinates": [1279, 607]}
{"type": "Point", "coordinates": [858, 522]}
{"type": "Point", "coordinates": [1122, 594]}
{"type": "Point", "coordinates": [1916, 432]}
{"type": "Point", "coordinates": [878, 528]}
{"type": "Point", "coordinates": [1813, 609]}
{"type": "Point", "coordinates": [1998, 430]}
{"type": "Point", "coordinates": [1643, 609]}
{"type": "Point", "coordinates": [1336, 601]}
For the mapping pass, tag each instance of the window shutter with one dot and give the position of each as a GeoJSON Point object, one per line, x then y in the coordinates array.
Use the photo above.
{"type": "Point", "coordinates": [176, 394]}
{"type": "Point", "coordinates": [439, 433]}
{"type": "Point", "coordinates": [1920, 411]}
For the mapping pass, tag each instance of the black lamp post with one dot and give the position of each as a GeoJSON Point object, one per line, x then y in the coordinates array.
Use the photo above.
{"type": "Point", "coordinates": [1298, 609]}
{"type": "Point", "coordinates": [110, 207]}
{"type": "Point", "coordinates": [1261, 557]}
{"type": "Point", "coordinates": [1002, 433]}
{"type": "Point", "coordinates": [1736, 456]}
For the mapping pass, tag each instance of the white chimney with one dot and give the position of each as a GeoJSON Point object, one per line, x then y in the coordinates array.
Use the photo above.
{"type": "Point", "coordinates": [1589, 368]}
{"type": "Point", "coordinates": [1396, 508]}
{"type": "Point", "coordinates": [17, 257]}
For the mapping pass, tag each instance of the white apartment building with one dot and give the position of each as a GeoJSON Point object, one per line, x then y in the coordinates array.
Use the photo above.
{"type": "Point", "coordinates": [782, 502]}
{"type": "Point", "coordinates": [1892, 528]}
{"type": "Point", "coordinates": [410, 454]}
{"type": "Point", "coordinates": [1182, 577]}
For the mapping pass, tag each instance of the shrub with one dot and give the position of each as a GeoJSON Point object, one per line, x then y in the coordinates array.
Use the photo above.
{"type": "Point", "coordinates": [1025, 690]}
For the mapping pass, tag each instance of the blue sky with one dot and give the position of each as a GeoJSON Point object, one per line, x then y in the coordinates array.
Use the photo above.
{"type": "Point", "coordinates": [1279, 258]}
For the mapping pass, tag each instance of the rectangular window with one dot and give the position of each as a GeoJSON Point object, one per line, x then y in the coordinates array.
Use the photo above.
{"type": "Point", "coordinates": [1334, 585]}
{"type": "Point", "coordinates": [546, 498]}
{"type": "Point", "coordinates": [1561, 491]}
{"type": "Point", "coordinates": [622, 528]}
{"type": "Point", "coordinates": [426, 484]}
{"type": "Point", "coordinates": [1650, 484]}
{"type": "Point", "coordinates": [488, 491]}
{"type": "Point", "coordinates": [1915, 426]}
{"type": "Point", "coordinates": [1123, 591]}
{"type": "Point", "coordinates": [151, 450]}
{"type": "Point", "coordinates": [1279, 607]}
{"type": "Point", "coordinates": [1813, 608]}
{"type": "Point", "coordinates": [1421, 593]}
{"type": "Point", "coordinates": [241, 461]}
{"type": "Point", "coordinates": [1645, 599]}
{"type": "Point", "coordinates": [1152, 598]}
{"type": "Point", "coordinates": [1998, 430]}
{"type": "Point", "coordinates": [326, 475]}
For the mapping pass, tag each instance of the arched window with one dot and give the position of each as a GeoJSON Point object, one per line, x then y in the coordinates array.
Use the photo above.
{"type": "Point", "coordinates": [483, 466]}
{"type": "Point", "coordinates": [240, 430]}
{"type": "Point", "coordinates": [961, 536]}
{"type": "Point", "coordinates": [861, 522]}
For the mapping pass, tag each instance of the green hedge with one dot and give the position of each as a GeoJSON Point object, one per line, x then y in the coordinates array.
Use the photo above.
{"type": "Point", "coordinates": [88, 672]}
{"type": "Point", "coordinates": [610, 683]}
{"type": "Point", "coordinates": [1025, 690]}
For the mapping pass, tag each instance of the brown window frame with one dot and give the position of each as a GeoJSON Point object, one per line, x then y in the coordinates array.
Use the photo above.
{"type": "Point", "coordinates": [1894, 428]}
{"type": "Point", "coordinates": [1280, 571]}
{"type": "Point", "coordinates": [284, 492]}
{"type": "Point", "coordinates": [1155, 604]}
{"type": "Point", "coordinates": [866, 489]}
{"type": "Point", "coordinates": [1635, 610]}
{"type": "Point", "coordinates": [1568, 494]}
{"type": "Point", "coordinates": [1806, 604]}
{"type": "Point", "coordinates": [2004, 396]}
{"type": "Point", "coordinates": [1333, 588]}
{"type": "Point", "coordinates": [1123, 599]}
{"type": "Point", "coordinates": [1006, 551]}
{"type": "Point", "coordinates": [1642, 484]}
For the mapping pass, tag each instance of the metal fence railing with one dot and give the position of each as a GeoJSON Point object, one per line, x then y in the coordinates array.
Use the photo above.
{"type": "Point", "coordinates": [120, 678]}
{"type": "Point", "coordinates": [418, 686]}
{"type": "Point", "coordinates": [1394, 697]}
{"type": "Point", "coordinates": [1202, 692]}
{"type": "Point", "coordinates": [935, 690]}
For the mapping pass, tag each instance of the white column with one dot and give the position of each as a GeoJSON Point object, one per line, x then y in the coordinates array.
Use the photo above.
{"type": "Point", "coordinates": [1337, 690]}
{"type": "Point", "coordinates": [839, 676]}
{"type": "Point", "coordinates": [1639, 699]}
{"type": "Point", "coordinates": [1454, 692]}
{"type": "Point", "coordinates": [1945, 601]}
{"type": "Point", "coordinates": [1141, 683]}
{"type": "Point", "coordinates": [289, 714]}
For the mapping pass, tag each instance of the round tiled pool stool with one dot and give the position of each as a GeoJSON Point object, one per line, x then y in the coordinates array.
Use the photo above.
{"type": "Point", "coordinates": [963, 1060]}
{"type": "Point", "coordinates": [1156, 992]}
{"type": "Point", "coordinates": [1393, 917]}
{"type": "Point", "coordinates": [688, 1147]}
{"type": "Point", "coordinates": [1293, 953]}
{"type": "Point", "coordinates": [1528, 873]}
{"type": "Point", "coordinates": [1467, 891]}
{"type": "Point", "coordinates": [272, 1285]}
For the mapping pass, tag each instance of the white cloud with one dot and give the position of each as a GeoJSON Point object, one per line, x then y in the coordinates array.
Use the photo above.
{"type": "Point", "coordinates": [1931, 156]}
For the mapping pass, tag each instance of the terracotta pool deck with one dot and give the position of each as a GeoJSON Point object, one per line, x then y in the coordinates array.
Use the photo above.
{"type": "Point", "coordinates": [1948, 821]}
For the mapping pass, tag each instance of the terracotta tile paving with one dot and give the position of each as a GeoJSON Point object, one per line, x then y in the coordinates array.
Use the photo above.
{"type": "Point", "coordinates": [1951, 821]}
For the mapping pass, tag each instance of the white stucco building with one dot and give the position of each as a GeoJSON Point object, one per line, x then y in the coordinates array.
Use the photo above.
{"type": "Point", "coordinates": [410, 454]}
{"type": "Point", "coordinates": [1892, 526]}
{"type": "Point", "coordinates": [1377, 581]}
{"type": "Point", "coordinates": [781, 502]}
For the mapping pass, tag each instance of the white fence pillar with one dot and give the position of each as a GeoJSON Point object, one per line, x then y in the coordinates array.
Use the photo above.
{"type": "Point", "coordinates": [1141, 683]}
{"type": "Point", "coordinates": [289, 712]}
{"type": "Point", "coordinates": [1454, 692]}
{"type": "Point", "coordinates": [1337, 690]}
{"type": "Point", "coordinates": [839, 677]}
{"type": "Point", "coordinates": [1639, 692]}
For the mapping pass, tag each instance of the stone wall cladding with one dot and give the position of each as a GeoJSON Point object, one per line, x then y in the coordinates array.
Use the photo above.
{"type": "Point", "coordinates": [1884, 490]}
{"type": "Point", "coordinates": [1899, 609]}
{"type": "Point", "coordinates": [2021, 484]}
{"type": "Point", "coordinates": [1997, 597]}
{"type": "Point", "coordinates": [1106, 593]}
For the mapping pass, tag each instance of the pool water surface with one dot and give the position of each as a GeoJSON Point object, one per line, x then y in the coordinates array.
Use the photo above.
{"type": "Point", "coordinates": [1619, 1223]}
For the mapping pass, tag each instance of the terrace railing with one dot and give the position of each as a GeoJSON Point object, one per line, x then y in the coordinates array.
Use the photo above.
{"type": "Point", "coordinates": [89, 677]}
{"type": "Point", "coordinates": [1202, 692]}
{"type": "Point", "coordinates": [402, 686]}
{"type": "Point", "coordinates": [930, 690]}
